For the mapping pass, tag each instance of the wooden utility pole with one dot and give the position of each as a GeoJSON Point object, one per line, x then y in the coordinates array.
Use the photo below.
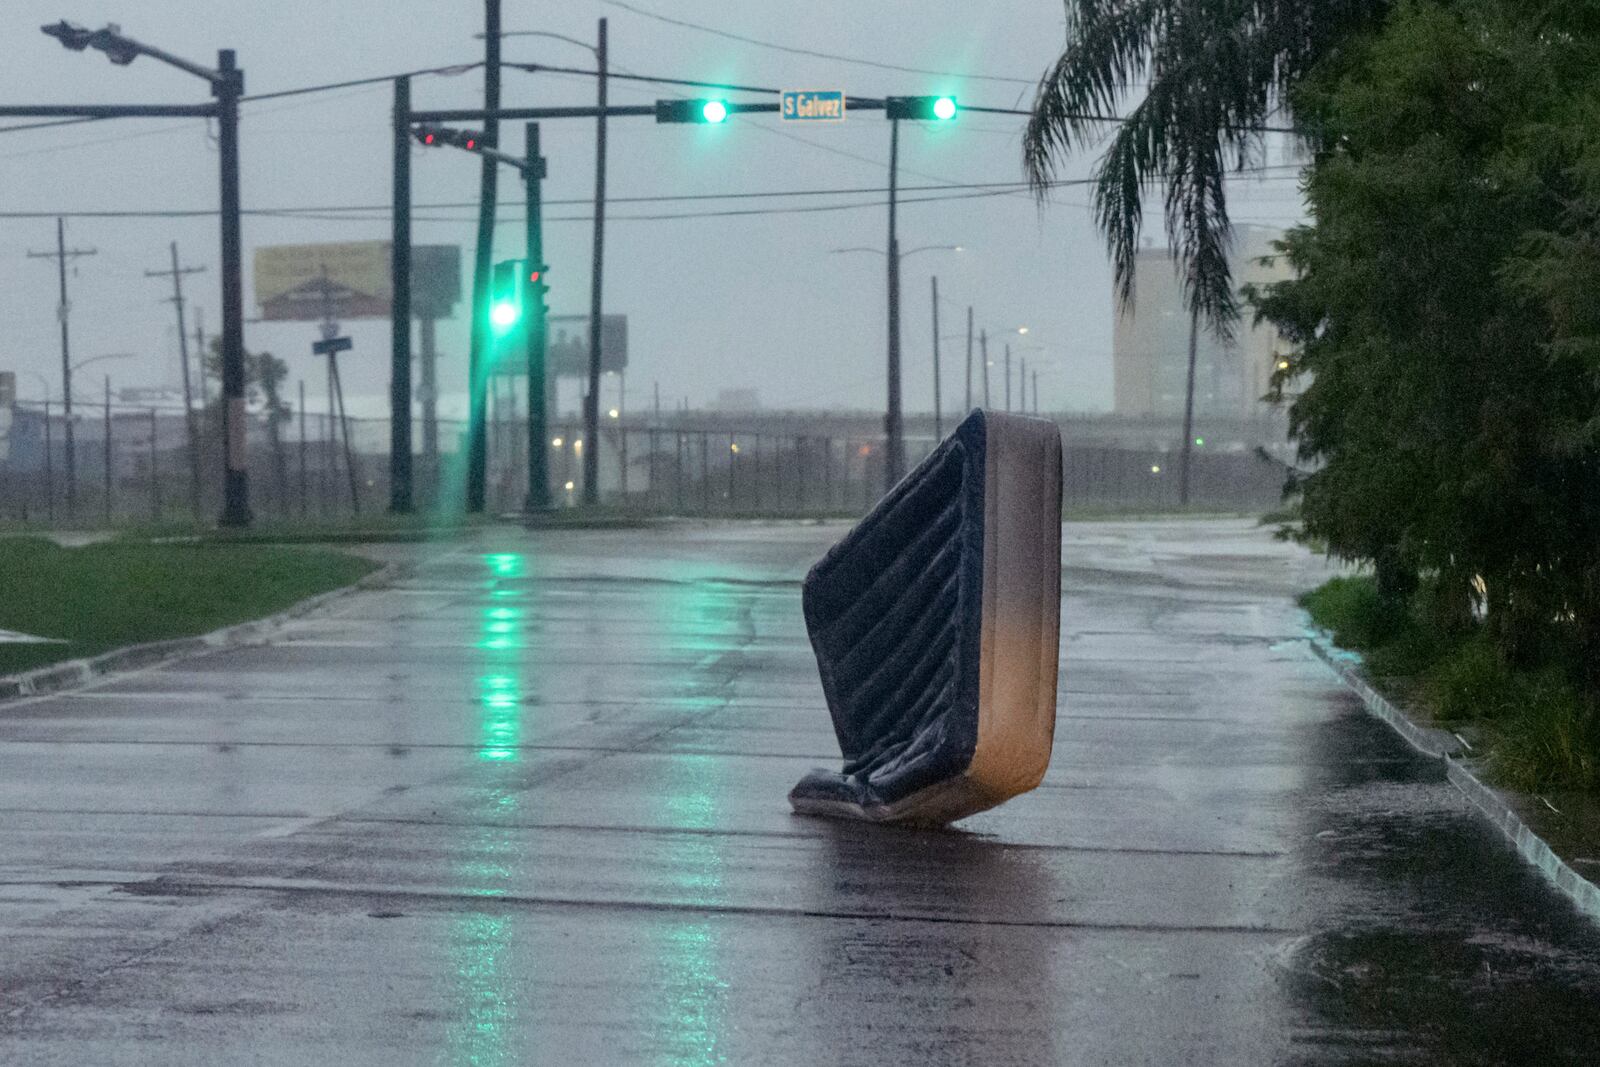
{"type": "Point", "coordinates": [176, 273]}
{"type": "Point", "coordinates": [62, 255]}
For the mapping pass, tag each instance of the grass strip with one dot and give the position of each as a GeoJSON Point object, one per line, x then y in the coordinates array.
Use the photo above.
{"type": "Point", "coordinates": [112, 594]}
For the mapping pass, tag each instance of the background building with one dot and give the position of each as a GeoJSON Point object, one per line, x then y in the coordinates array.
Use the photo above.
{"type": "Point", "coordinates": [1150, 348]}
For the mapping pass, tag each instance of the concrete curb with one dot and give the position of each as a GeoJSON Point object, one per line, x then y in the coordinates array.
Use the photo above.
{"type": "Point", "coordinates": [1463, 774]}
{"type": "Point", "coordinates": [79, 672]}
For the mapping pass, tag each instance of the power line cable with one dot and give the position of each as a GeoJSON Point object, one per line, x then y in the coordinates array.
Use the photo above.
{"type": "Point", "coordinates": [1262, 173]}
{"type": "Point", "coordinates": [813, 53]}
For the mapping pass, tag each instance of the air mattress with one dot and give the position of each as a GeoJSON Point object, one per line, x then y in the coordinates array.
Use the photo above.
{"type": "Point", "coordinates": [936, 624]}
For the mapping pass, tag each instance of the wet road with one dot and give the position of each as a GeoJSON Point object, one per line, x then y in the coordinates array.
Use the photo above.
{"type": "Point", "coordinates": [526, 805]}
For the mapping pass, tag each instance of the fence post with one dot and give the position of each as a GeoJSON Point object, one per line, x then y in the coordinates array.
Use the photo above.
{"type": "Point", "coordinates": [705, 473]}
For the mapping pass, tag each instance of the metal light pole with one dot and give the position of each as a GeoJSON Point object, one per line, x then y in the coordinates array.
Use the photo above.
{"type": "Point", "coordinates": [533, 172]}
{"type": "Point", "coordinates": [894, 450]}
{"type": "Point", "coordinates": [968, 406]}
{"type": "Point", "coordinates": [1188, 411]}
{"type": "Point", "coordinates": [938, 430]}
{"type": "Point", "coordinates": [591, 401]}
{"type": "Point", "coordinates": [400, 481]}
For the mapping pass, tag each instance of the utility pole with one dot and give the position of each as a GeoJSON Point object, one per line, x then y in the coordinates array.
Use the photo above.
{"type": "Point", "coordinates": [533, 172]}
{"type": "Point", "coordinates": [591, 400]}
{"type": "Point", "coordinates": [107, 458]}
{"type": "Point", "coordinates": [1188, 410]}
{"type": "Point", "coordinates": [1022, 386]}
{"type": "Point", "coordinates": [176, 273]}
{"type": "Point", "coordinates": [400, 487]}
{"type": "Point", "coordinates": [1008, 375]}
{"type": "Point", "coordinates": [894, 445]}
{"type": "Point", "coordinates": [968, 406]}
{"type": "Point", "coordinates": [478, 361]}
{"type": "Point", "coordinates": [1036, 392]}
{"type": "Point", "coordinates": [200, 356]}
{"type": "Point", "coordinates": [228, 86]}
{"type": "Point", "coordinates": [938, 432]}
{"type": "Point", "coordinates": [983, 342]}
{"type": "Point", "coordinates": [61, 255]}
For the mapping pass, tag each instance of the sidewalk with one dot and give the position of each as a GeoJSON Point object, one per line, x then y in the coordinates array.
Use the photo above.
{"type": "Point", "coordinates": [526, 805]}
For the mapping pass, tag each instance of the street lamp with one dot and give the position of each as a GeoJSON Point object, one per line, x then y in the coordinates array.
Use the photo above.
{"type": "Point", "coordinates": [227, 86]}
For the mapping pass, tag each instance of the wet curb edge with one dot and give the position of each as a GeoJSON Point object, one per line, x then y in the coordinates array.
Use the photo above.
{"type": "Point", "coordinates": [79, 672]}
{"type": "Point", "coordinates": [1444, 746]}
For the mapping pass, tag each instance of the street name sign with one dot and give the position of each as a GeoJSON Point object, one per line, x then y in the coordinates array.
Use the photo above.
{"type": "Point", "coordinates": [331, 345]}
{"type": "Point", "coordinates": [812, 105]}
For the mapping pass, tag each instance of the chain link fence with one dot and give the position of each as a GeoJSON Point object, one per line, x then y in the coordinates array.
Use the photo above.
{"type": "Point", "coordinates": [148, 465]}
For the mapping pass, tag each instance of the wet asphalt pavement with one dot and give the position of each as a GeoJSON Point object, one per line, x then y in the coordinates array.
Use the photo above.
{"type": "Point", "coordinates": [526, 805]}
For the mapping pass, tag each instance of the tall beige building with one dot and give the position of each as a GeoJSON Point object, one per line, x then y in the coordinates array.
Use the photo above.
{"type": "Point", "coordinates": [1150, 349]}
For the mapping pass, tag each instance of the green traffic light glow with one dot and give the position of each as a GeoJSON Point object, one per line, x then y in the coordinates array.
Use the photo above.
{"type": "Point", "coordinates": [944, 108]}
{"type": "Point", "coordinates": [715, 111]}
{"type": "Point", "coordinates": [504, 314]}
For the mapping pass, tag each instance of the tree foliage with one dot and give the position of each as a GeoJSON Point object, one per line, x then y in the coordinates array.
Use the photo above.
{"type": "Point", "coordinates": [1447, 341]}
{"type": "Point", "coordinates": [1218, 71]}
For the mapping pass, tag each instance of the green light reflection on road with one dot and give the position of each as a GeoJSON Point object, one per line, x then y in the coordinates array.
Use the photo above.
{"type": "Point", "coordinates": [487, 1028]}
{"type": "Point", "coordinates": [694, 1016]}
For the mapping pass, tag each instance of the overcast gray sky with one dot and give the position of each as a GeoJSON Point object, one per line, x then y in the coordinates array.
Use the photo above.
{"type": "Point", "coordinates": [713, 302]}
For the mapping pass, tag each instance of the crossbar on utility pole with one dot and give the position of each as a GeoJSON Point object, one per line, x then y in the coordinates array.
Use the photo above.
{"type": "Point", "coordinates": [191, 428]}
{"type": "Point", "coordinates": [62, 255]}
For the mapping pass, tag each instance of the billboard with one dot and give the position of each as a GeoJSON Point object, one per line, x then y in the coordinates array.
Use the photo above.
{"type": "Point", "coordinates": [351, 280]}
{"type": "Point", "coordinates": [567, 353]}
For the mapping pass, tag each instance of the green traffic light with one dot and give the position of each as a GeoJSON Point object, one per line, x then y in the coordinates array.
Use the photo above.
{"type": "Point", "coordinates": [714, 111]}
{"type": "Point", "coordinates": [944, 108]}
{"type": "Point", "coordinates": [503, 314]}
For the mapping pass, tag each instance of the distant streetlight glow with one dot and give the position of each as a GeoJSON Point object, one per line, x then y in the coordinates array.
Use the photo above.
{"type": "Point", "coordinates": [614, 413]}
{"type": "Point", "coordinates": [555, 442]}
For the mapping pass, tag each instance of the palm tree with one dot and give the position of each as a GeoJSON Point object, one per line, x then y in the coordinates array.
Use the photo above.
{"type": "Point", "coordinates": [1219, 73]}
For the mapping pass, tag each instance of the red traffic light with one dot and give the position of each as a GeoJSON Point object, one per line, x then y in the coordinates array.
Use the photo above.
{"type": "Point", "coordinates": [533, 276]}
{"type": "Point", "coordinates": [470, 145]}
{"type": "Point", "coordinates": [427, 138]}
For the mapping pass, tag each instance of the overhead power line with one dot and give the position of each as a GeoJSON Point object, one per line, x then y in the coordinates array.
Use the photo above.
{"type": "Point", "coordinates": [813, 53]}
{"type": "Point", "coordinates": [1267, 172]}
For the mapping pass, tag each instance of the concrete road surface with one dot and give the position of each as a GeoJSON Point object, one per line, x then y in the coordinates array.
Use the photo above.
{"type": "Point", "coordinates": [526, 806]}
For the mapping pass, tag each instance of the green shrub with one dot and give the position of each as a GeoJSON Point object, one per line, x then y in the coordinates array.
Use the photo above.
{"type": "Point", "coordinates": [1471, 681]}
{"type": "Point", "coordinates": [1550, 740]}
{"type": "Point", "coordinates": [1352, 610]}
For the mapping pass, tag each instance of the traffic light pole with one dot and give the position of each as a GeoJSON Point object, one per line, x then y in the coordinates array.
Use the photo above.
{"type": "Point", "coordinates": [228, 87]}
{"type": "Point", "coordinates": [533, 172]}
{"type": "Point", "coordinates": [401, 499]}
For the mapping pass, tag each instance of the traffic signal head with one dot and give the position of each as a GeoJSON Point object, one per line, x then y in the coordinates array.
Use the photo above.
{"type": "Point", "coordinates": [506, 298]}
{"type": "Point", "coordinates": [921, 108]}
{"type": "Point", "coordinates": [433, 136]}
{"type": "Point", "coordinates": [702, 111]}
